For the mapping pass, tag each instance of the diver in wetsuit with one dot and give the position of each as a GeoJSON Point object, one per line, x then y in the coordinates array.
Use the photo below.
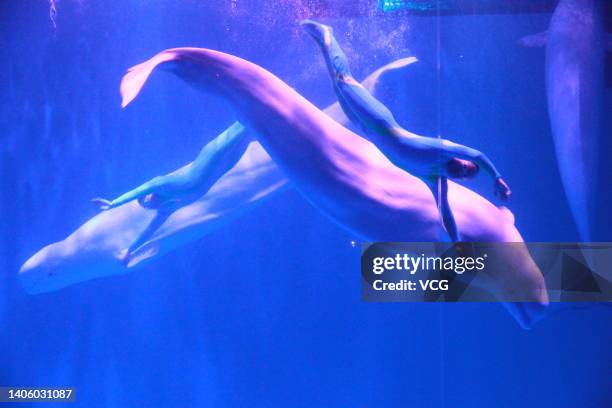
{"type": "Point", "coordinates": [172, 191]}
{"type": "Point", "coordinates": [428, 158]}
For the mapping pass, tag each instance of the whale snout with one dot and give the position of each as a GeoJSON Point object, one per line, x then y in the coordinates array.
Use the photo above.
{"type": "Point", "coordinates": [66, 263]}
{"type": "Point", "coordinates": [34, 273]}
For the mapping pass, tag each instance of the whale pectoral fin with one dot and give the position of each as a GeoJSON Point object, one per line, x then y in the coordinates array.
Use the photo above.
{"type": "Point", "coordinates": [371, 82]}
{"type": "Point", "coordinates": [134, 80]}
{"type": "Point", "coordinates": [146, 251]}
{"type": "Point", "coordinates": [534, 40]}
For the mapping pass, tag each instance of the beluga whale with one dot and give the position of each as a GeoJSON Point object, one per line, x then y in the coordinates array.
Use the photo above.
{"type": "Point", "coordinates": [575, 45]}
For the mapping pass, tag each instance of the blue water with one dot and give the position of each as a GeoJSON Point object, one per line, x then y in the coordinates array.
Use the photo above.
{"type": "Point", "coordinates": [266, 311]}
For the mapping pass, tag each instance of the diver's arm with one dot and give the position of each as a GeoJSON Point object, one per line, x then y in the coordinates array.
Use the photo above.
{"type": "Point", "coordinates": [140, 191]}
{"type": "Point", "coordinates": [359, 105]}
{"type": "Point", "coordinates": [475, 156]}
{"type": "Point", "coordinates": [213, 161]}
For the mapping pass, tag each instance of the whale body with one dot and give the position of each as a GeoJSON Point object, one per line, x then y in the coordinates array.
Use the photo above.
{"type": "Point", "coordinates": [575, 48]}
{"type": "Point", "coordinates": [574, 77]}
{"type": "Point", "coordinates": [343, 175]}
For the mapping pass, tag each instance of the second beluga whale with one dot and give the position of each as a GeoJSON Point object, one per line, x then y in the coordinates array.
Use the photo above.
{"type": "Point", "coordinates": [575, 44]}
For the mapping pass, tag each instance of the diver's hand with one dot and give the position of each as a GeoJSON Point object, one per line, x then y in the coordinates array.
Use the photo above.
{"type": "Point", "coordinates": [102, 203]}
{"type": "Point", "coordinates": [502, 190]}
{"type": "Point", "coordinates": [167, 192]}
{"type": "Point", "coordinates": [150, 194]}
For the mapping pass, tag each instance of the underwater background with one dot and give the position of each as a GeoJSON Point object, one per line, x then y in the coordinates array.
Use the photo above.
{"type": "Point", "coordinates": [266, 311]}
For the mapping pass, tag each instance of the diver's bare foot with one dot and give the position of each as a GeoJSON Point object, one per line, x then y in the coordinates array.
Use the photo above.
{"type": "Point", "coordinates": [320, 32]}
{"type": "Point", "coordinates": [102, 203]}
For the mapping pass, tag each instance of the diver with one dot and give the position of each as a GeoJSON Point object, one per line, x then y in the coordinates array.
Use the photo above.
{"type": "Point", "coordinates": [432, 160]}
{"type": "Point", "coordinates": [169, 192]}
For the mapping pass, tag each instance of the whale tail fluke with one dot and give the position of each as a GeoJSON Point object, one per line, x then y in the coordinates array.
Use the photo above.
{"type": "Point", "coordinates": [534, 40]}
{"type": "Point", "coordinates": [371, 81]}
{"type": "Point", "coordinates": [527, 314]}
{"type": "Point", "coordinates": [135, 78]}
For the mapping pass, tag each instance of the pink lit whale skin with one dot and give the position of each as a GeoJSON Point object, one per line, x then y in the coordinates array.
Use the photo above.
{"type": "Point", "coordinates": [337, 171]}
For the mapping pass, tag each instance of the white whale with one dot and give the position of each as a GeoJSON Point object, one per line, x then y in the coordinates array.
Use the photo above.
{"type": "Point", "coordinates": [575, 47]}
{"type": "Point", "coordinates": [340, 173]}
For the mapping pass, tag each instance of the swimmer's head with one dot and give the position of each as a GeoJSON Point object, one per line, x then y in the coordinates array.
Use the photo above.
{"type": "Point", "coordinates": [461, 169]}
{"type": "Point", "coordinates": [152, 201]}
{"type": "Point", "coordinates": [155, 201]}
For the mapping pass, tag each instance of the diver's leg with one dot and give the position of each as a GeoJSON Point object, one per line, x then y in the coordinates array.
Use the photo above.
{"type": "Point", "coordinates": [447, 215]}
{"type": "Point", "coordinates": [439, 189]}
{"type": "Point", "coordinates": [360, 106]}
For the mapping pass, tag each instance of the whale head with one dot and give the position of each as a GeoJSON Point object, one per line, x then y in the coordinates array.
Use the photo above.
{"type": "Point", "coordinates": [64, 263]}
